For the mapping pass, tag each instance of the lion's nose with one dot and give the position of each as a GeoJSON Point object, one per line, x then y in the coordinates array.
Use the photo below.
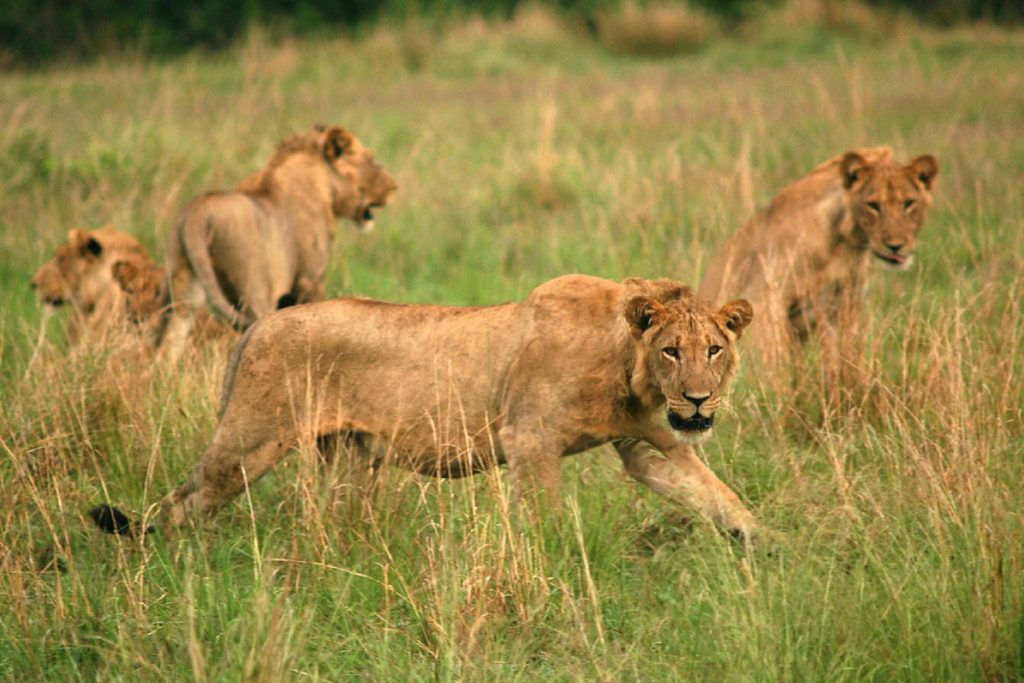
{"type": "Point", "coordinates": [697, 400]}
{"type": "Point", "coordinates": [894, 246]}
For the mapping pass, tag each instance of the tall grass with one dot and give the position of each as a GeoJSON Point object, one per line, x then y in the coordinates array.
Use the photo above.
{"type": "Point", "coordinates": [524, 152]}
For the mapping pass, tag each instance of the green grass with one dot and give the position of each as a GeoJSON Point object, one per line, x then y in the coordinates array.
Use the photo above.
{"type": "Point", "coordinates": [523, 152]}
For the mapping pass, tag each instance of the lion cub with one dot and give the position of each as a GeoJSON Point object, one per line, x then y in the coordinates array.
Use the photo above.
{"type": "Point", "coordinates": [450, 391]}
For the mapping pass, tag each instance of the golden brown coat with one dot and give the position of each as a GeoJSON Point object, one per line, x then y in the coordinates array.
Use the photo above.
{"type": "Point", "coordinates": [107, 279]}
{"type": "Point", "coordinates": [266, 244]}
{"type": "Point", "coordinates": [451, 391]}
{"type": "Point", "coordinates": [803, 261]}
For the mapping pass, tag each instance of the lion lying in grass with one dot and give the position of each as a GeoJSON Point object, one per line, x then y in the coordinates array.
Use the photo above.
{"type": "Point", "coordinates": [452, 391]}
{"type": "Point", "coordinates": [266, 244]}
{"type": "Point", "coordinates": [111, 284]}
{"type": "Point", "coordinates": [107, 279]}
{"type": "Point", "coordinates": [803, 261]}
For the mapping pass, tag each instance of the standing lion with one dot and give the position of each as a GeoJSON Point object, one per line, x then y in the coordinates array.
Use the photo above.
{"type": "Point", "coordinates": [266, 244]}
{"type": "Point", "coordinates": [803, 261]}
{"type": "Point", "coordinates": [450, 391]}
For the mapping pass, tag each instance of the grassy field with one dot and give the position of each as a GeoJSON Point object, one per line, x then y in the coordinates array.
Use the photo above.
{"type": "Point", "coordinates": [524, 152]}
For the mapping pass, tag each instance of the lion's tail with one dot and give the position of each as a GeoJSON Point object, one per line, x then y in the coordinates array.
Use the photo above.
{"type": "Point", "coordinates": [112, 521]}
{"type": "Point", "coordinates": [195, 231]}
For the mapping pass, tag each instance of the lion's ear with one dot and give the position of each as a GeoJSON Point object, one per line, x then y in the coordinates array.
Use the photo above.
{"type": "Point", "coordinates": [337, 141]}
{"type": "Point", "coordinates": [124, 272]}
{"type": "Point", "coordinates": [852, 168]}
{"type": "Point", "coordinates": [736, 315]}
{"type": "Point", "coordinates": [642, 313]}
{"type": "Point", "coordinates": [77, 237]}
{"type": "Point", "coordinates": [924, 168]}
{"type": "Point", "coordinates": [84, 242]}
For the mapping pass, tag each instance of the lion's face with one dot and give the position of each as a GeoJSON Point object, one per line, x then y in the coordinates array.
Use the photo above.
{"type": "Point", "coordinates": [361, 185]}
{"type": "Point", "coordinates": [888, 202]}
{"type": "Point", "coordinates": [77, 274]}
{"type": "Point", "coordinates": [688, 349]}
{"type": "Point", "coordinates": [49, 283]}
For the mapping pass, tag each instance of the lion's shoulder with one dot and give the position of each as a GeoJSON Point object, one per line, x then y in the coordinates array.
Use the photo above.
{"type": "Point", "coordinates": [823, 184]}
{"type": "Point", "coordinates": [578, 296]}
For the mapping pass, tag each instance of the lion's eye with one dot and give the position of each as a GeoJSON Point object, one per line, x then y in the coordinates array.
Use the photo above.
{"type": "Point", "coordinates": [875, 206]}
{"type": "Point", "coordinates": [671, 352]}
{"type": "Point", "coordinates": [908, 205]}
{"type": "Point", "coordinates": [714, 351]}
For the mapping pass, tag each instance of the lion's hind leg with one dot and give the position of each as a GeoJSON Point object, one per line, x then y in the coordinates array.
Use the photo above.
{"type": "Point", "coordinates": [232, 463]}
{"type": "Point", "coordinates": [179, 317]}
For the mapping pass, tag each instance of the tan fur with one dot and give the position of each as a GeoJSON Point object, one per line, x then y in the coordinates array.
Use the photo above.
{"type": "Point", "coordinates": [452, 391]}
{"type": "Point", "coordinates": [803, 260]}
{"type": "Point", "coordinates": [144, 285]}
{"type": "Point", "coordinates": [84, 275]}
{"type": "Point", "coordinates": [266, 244]}
{"type": "Point", "coordinates": [111, 284]}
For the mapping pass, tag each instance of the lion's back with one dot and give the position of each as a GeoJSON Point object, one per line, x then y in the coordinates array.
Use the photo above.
{"type": "Point", "coordinates": [575, 300]}
{"type": "Point", "coordinates": [385, 354]}
{"type": "Point", "coordinates": [794, 222]}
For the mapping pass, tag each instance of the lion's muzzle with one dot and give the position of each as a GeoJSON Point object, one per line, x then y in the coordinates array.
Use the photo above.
{"type": "Point", "coordinates": [895, 260]}
{"type": "Point", "coordinates": [691, 425]}
{"type": "Point", "coordinates": [692, 415]}
{"type": "Point", "coordinates": [365, 216]}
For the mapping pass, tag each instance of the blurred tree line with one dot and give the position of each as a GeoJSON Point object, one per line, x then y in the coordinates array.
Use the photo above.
{"type": "Point", "coordinates": [33, 32]}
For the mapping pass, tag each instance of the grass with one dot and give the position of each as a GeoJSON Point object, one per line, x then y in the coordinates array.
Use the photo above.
{"type": "Point", "coordinates": [524, 152]}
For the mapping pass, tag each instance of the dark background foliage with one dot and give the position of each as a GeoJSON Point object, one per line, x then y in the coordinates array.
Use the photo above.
{"type": "Point", "coordinates": [34, 32]}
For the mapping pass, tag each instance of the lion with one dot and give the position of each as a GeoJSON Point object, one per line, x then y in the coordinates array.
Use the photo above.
{"type": "Point", "coordinates": [266, 244]}
{"type": "Point", "coordinates": [111, 284]}
{"type": "Point", "coordinates": [803, 261]}
{"type": "Point", "coordinates": [106, 277]}
{"type": "Point", "coordinates": [452, 391]}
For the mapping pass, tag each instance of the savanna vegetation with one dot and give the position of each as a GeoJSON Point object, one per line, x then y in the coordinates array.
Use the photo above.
{"type": "Point", "coordinates": [524, 150]}
{"type": "Point", "coordinates": [42, 31]}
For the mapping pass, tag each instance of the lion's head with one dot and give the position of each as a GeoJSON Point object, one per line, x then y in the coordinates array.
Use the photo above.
{"type": "Point", "coordinates": [356, 186]}
{"type": "Point", "coordinates": [143, 284]}
{"type": "Point", "coordinates": [82, 270]}
{"type": "Point", "coordinates": [48, 282]}
{"type": "Point", "coordinates": [687, 349]}
{"type": "Point", "coordinates": [362, 185]}
{"type": "Point", "coordinates": [888, 201]}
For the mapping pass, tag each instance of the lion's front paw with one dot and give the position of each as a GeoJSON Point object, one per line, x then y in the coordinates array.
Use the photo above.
{"type": "Point", "coordinates": [746, 534]}
{"type": "Point", "coordinates": [755, 537]}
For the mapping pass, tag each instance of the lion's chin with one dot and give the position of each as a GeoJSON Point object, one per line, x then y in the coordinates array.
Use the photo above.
{"type": "Point", "coordinates": [691, 430]}
{"type": "Point", "coordinates": [364, 221]}
{"type": "Point", "coordinates": [692, 438]}
{"type": "Point", "coordinates": [894, 262]}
